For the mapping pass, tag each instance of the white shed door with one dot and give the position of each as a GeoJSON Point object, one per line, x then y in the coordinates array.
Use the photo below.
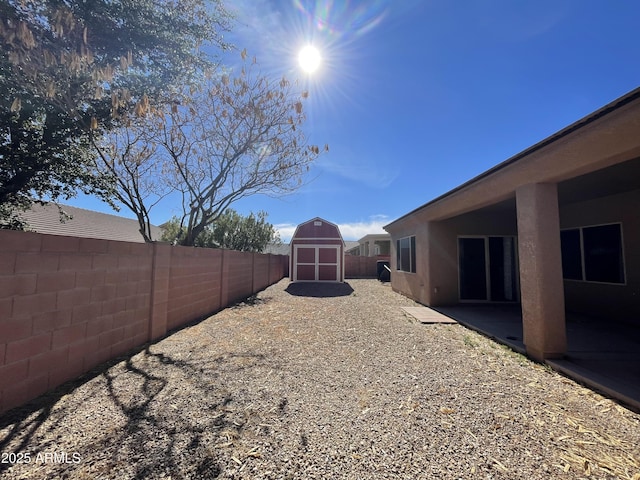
{"type": "Point", "coordinates": [316, 263]}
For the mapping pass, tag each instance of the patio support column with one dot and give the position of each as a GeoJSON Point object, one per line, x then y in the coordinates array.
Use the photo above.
{"type": "Point", "coordinates": [542, 290]}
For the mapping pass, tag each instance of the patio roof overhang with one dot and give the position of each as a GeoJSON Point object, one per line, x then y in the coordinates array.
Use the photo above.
{"type": "Point", "coordinates": [606, 141]}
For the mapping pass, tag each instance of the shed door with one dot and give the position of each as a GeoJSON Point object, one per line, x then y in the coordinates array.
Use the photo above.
{"type": "Point", "coordinates": [316, 263]}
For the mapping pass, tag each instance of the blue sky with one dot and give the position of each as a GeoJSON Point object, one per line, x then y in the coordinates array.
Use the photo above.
{"type": "Point", "coordinates": [415, 97]}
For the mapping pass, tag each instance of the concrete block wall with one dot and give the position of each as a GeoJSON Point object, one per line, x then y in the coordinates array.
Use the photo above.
{"type": "Point", "coordinates": [68, 304]}
{"type": "Point", "coordinates": [195, 284]}
{"type": "Point", "coordinates": [238, 272]}
{"type": "Point", "coordinates": [362, 267]}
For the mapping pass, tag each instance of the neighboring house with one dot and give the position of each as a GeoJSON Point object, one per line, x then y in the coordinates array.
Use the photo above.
{"type": "Point", "coordinates": [372, 245]}
{"type": "Point", "coordinates": [555, 226]}
{"type": "Point", "coordinates": [85, 223]}
{"type": "Point", "coordinates": [317, 252]}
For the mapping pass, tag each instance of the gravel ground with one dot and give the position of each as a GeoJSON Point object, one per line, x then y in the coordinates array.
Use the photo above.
{"type": "Point", "coordinates": [322, 382]}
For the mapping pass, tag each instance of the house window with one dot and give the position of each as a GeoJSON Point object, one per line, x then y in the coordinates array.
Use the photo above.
{"type": "Point", "coordinates": [406, 254]}
{"type": "Point", "coordinates": [593, 254]}
{"type": "Point", "coordinates": [571, 254]}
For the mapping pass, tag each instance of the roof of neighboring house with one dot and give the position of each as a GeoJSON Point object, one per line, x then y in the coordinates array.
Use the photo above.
{"type": "Point", "coordinates": [350, 245]}
{"type": "Point", "coordinates": [85, 223]}
{"type": "Point", "coordinates": [278, 249]}
{"type": "Point", "coordinates": [613, 106]}
{"type": "Point", "coordinates": [374, 237]}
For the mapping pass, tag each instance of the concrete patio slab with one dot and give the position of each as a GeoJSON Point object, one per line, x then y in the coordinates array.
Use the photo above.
{"type": "Point", "coordinates": [427, 315]}
{"type": "Point", "coordinates": [602, 353]}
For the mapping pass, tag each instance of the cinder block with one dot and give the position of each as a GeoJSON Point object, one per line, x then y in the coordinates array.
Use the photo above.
{"type": "Point", "coordinates": [33, 304]}
{"type": "Point", "coordinates": [47, 322]}
{"type": "Point", "coordinates": [67, 335]}
{"type": "Point", "coordinates": [86, 313]}
{"type": "Point", "coordinates": [16, 395]}
{"type": "Point", "coordinates": [102, 293]}
{"type": "Point", "coordinates": [90, 278]}
{"type": "Point", "coordinates": [104, 262]}
{"type": "Point", "coordinates": [36, 386]}
{"type": "Point", "coordinates": [17, 241]}
{"type": "Point", "coordinates": [93, 245]}
{"type": "Point", "coordinates": [56, 281]}
{"type": "Point", "coordinates": [128, 262]}
{"type": "Point", "coordinates": [56, 243]}
{"type": "Point", "coordinates": [94, 358]}
{"type": "Point", "coordinates": [144, 287]}
{"type": "Point", "coordinates": [98, 326]}
{"type": "Point", "coordinates": [126, 289]}
{"type": "Point", "coordinates": [7, 262]}
{"type": "Point", "coordinates": [140, 339]}
{"type": "Point", "coordinates": [15, 329]}
{"type": "Point", "coordinates": [107, 339]}
{"type": "Point", "coordinates": [27, 347]}
{"type": "Point", "coordinates": [136, 328]}
{"type": "Point", "coordinates": [159, 323]}
{"type": "Point", "coordinates": [141, 274]}
{"type": "Point", "coordinates": [13, 373]}
{"type": "Point", "coordinates": [68, 299]}
{"type": "Point", "coordinates": [116, 276]}
{"type": "Point", "coordinates": [75, 262]}
{"type": "Point", "coordinates": [24, 284]}
{"type": "Point", "coordinates": [36, 262]}
{"type": "Point", "coordinates": [64, 373]}
{"type": "Point", "coordinates": [121, 347]}
{"type": "Point", "coordinates": [77, 351]}
{"type": "Point", "coordinates": [137, 302]}
{"type": "Point", "coordinates": [6, 286]}
{"type": "Point", "coordinates": [113, 306]}
{"type": "Point", "coordinates": [141, 249]}
{"type": "Point", "coordinates": [48, 361]}
{"type": "Point", "coordinates": [6, 308]}
{"type": "Point", "coordinates": [119, 248]}
{"type": "Point", "coordinates": [123, 318]}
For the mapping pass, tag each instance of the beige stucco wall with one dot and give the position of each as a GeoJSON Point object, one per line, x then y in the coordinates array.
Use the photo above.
{"type": "Point", "coordinates": [599, 299]}
{"type": "Point", "coordinates": [435, 282]}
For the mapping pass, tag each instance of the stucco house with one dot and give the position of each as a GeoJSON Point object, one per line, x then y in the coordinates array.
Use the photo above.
{"type": "Point", "coordinates": [372, 245]}
{"type": "Point", "coordinates": [555, 228]}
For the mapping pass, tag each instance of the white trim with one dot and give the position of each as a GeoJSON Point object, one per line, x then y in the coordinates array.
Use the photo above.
{"type": "Point", "coordinates": [339, 265]}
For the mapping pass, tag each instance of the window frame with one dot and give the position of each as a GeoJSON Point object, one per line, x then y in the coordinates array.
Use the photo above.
{"type": "Point", "coordinates": [412, 254]}
{"type": "Point", "coordinates": [583, 258]}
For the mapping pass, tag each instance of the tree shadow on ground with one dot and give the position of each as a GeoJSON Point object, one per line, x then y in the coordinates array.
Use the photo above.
{"type": "Point", "coordinates": [319, 289]}
{"type": "Point", "coordinates": [157, 438]}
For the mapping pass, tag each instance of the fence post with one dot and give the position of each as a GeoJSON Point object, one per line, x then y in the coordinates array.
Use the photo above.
{"type": "Point", "coordinates": [224, 281]}
{"type": "Point", "coordinates": [160, 273]}
{"type": "Point", "coordinates": [253, 273]}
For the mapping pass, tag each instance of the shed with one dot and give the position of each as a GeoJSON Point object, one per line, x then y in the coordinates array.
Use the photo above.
{"type": "Point", "coordinates": [317, 252]}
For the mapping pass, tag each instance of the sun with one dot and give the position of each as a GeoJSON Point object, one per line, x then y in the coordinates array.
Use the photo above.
{"type": "Point", "coordinates": [309, 58]}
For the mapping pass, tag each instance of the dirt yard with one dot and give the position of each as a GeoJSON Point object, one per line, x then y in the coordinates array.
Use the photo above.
{"type": "Point", "coordinates": [330, 382]}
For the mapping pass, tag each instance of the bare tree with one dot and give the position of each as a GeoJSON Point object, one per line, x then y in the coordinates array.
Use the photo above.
{"type": "Point", "coordinates": [131, 157]}
{"type": "Point", "coordinates": [232, 137]}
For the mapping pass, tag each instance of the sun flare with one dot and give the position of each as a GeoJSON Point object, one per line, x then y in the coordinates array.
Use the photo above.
{"type": "Point", "coordinates": [309, 59]}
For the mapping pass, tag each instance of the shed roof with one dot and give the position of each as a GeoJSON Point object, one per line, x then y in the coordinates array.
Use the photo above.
{"type": "Point", "coordinates": [316, 228]}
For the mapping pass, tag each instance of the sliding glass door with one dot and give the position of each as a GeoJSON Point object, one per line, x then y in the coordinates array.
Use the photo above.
{"type": "Point", "coordinates": [487, 269]}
